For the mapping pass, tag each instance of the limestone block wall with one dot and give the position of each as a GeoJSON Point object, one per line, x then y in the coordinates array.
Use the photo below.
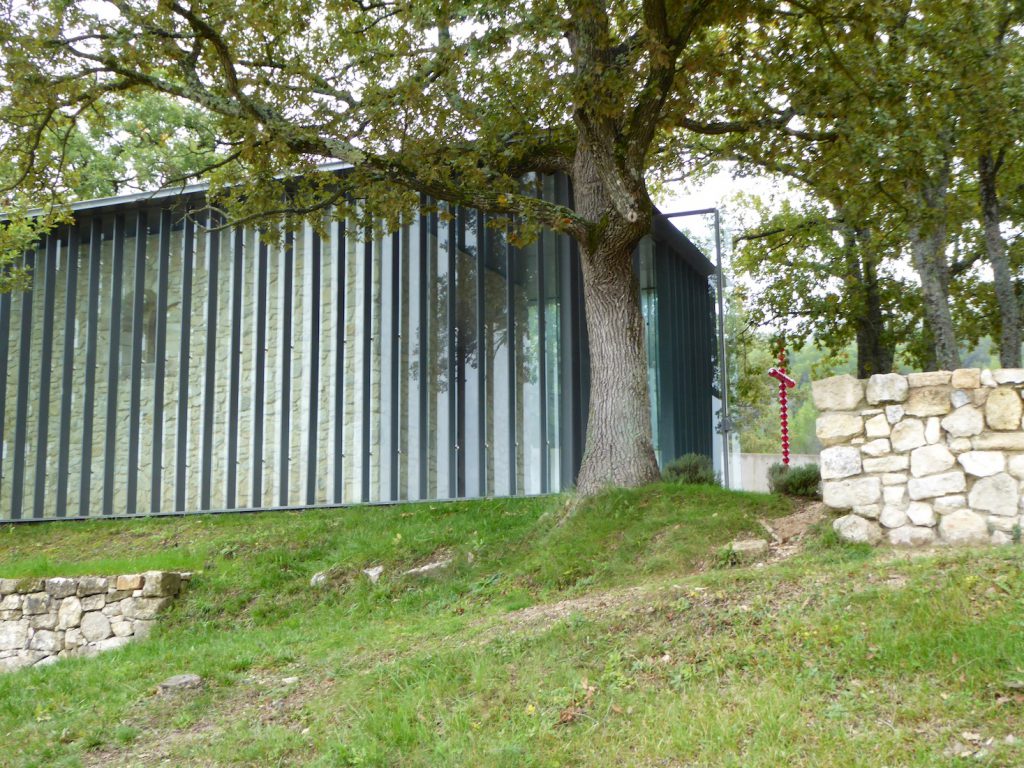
{"type": "Point", "coordinates": [44, 620]}
{"type": "Point", "coordinates": [926, 458]}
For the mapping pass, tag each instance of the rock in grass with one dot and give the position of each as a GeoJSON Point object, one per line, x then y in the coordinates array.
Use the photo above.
{"type": "Point", "coordinates": [179, 683]}
{"type": "Point", "coordinates": [319, 579]}
{"type": "Point", "coordinates": [373, 574]}
{"type": "Point", "coordinates": [749, 549]}
{"type": "Point", "coordinates": [429, 569]}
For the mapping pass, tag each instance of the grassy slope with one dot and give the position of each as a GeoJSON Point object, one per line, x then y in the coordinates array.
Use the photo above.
{"type": "Point", "coordinates": [841, 656]}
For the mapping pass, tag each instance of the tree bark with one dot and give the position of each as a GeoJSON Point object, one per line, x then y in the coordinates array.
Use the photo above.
{"type": "Point", "coordinates": [875, 352]}
{"type": "Point", "coordinates": [619, 448]}
{"type": "Point", "coordinates": [928, 253]}
{"type": "Point", "coordinates": [995, 248]}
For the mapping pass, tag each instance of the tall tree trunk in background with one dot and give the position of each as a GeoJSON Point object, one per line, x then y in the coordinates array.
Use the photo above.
{"type": "Point", "coordinates": [619, 446]}
{"type": "Point", "coordinates": [875, 351]}
{"type": "Point", "coordinates": [927, 235]}
{"type": "Point", "coordinates": [995, 249]}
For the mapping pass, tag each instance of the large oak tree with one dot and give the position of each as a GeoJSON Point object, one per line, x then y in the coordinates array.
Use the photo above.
{"type": "Point", "coordinates": [459, 101]}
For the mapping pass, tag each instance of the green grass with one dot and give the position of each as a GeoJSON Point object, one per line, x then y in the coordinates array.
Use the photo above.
{"type": "Point", "coordinates": [655, 656]}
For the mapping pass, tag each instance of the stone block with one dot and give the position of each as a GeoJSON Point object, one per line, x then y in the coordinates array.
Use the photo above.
{"type": "Point", "coordinates": [161, 584]}
{"type": "Point", "coordinates": [929, 379]}
{"type": "Point", "coordinates": [930, 460]}
{"type": "Point", "coordinates": [70, 613]}
{"type": "Point", "coordinates": [13, 635]}
{"type": "Point", "coordinates": [907, 435]}
{"type": "Point", "coordinates": [960, 397]}
{"type": "Point", "coordinates": [93, 602]}
{"type": "Point", "coordinates": [121, 628]}
{"type": "Point", "coordinates": [1001, 539]}
{"type": "Point", "coordinates": [932, 430]}
{"type": "Point", "coordinates": [839, 461]}
{"type": "Point", "coordinates": [998, 494]}
{"type": "Point", "coordinates": [963, 527]}
{"type": "Point", "coordinates": [129, 582]}
{"type": "Point", "coordinates": [1000, 523]}
{"type": "Point", "coordinates": [959, 444]}
{"type": "Point", "coordinates": [946, 504]}
{"type": "Point", "coordinates": [886, 388]}
{"type": "Point", "coordinates": [8, 587]}
{"type": "Point", "coordinates": [966, 378]}
{"type": "Point", "coordinates": [893, 517]}
{"type": "Point", "coordinates": [95, 627]}
{"type": "Point", "coordinates": [896, 478]}
{"type": "Point", "coordinates": [912, 536]}
{"type": "Point", "coordinates": [91, 585]}
{"type": "Point", "coordinates": [851, 492]}
{"type": "Point", "coordinates": [922, 514]}
{"type": "Point", "coordinates": [61, 588]}
{"type": "Point", "coordinates": [145, 608]}
{"type": "Point", "coordinates": [929, 401]}
{"type": "Point", "coordinates": [894, 494]}
{"type": "Point", "coordinates": [894, 413]}
{"type": "Point", "coordinates": [982, 463]}
{"type": "Point", "coordinates": [11, 603]}
{"type": "Point", "coordinates": [112, 609]}
{"type": "Point", "coordinates": [877, 426]}
{"type": "Point", "coordinates": [987, 379]}
{"type": "Point", "coordinates": [1008, 375]}
{"type": "Point", "coordinates": [43, 621]}
{"type": "Point", "coordinates": [870, 511]}
{"type": "Point", "coordinates": [936, 485]}
{"type": "Point", "coordinates": [836, 428]}
{"type": "Point", "coordinates": [999, 441]}
{"type": "Point", "coordinates": [857, 530]}
{"type": "Point", "coordinates": [1003, 410]}
{"type": "Point", "coordinates": [876, 448]}
{"type": "Point", "coordinates": [838, 393]}
{"type": "Point", "coordinates": [47, 641]}
{"type": "Point", "coordinates": [1016, 466]}
{"type": "Point", "coordinates": [38, 602]}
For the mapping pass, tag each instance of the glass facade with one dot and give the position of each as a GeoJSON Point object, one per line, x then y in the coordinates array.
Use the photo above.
{"type": "Point", "coordinates": [165, 363]}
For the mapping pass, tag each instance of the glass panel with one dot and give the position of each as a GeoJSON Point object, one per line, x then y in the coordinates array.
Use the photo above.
{"type": "Point", "coordinates": [438, 378]}
{"type": "Point", "coordinates": [11, 399]}
{"type": "Point", "coordinates": [529, 448]}
{"type": "Point", "coordinates": [411, 364]}
{"type": "Point", "coordinates": [355, 276]}
{"type": "Point", "coordinates": [272, 371]}
{"type": "Point", "coordinates": [78, 375]}
{"type": "Point", "coordinates": [555, 253]}
{"type": "Point", "coordinates": [172, 363]}
{"type": "Point", "coordinates": [378, 457]}
{"type": "Point", "coordinates": [649, 309]}
{"type": "Point", "coordinates": [147, 369]}
{"type": "Point", "coordinates": [326, 388]}
{"type": "Point", "coordinates": [468, 355]}
{"type": "Point", "coordinates": [197, 365]}
{"type": "Point", "coordinates": [494, 352]}
{"type": "Point", "coordinates": [247, 368]}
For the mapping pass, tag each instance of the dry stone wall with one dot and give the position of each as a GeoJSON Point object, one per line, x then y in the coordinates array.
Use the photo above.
{"type": "Point", "coordinates": [43, 620]}
{"type": "Point", "coordinates": [926, 458]}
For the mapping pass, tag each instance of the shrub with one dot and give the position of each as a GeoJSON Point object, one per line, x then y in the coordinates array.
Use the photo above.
{"type": "Point", "coordinates": [802, 481]}
{"type": "Point", "coordinates": [693, 468]}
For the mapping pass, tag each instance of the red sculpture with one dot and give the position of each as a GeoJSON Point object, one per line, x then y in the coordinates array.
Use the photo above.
{"type": "Point", "coordinates": [779, 372]}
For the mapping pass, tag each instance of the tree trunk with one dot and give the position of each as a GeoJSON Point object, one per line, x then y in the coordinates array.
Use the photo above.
{"type": "Point", "coordinates": [619, 448]}
{"type": "Point", "coordinates": [928, 252]}
{"type": "Point", "coordinates": [995, 248]}
{"type": "Point", "coordinates": [875, 352]}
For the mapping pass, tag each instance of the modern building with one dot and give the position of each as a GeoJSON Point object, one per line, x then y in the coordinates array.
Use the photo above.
{"type": "Point", "coordinates": [164, 363]}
